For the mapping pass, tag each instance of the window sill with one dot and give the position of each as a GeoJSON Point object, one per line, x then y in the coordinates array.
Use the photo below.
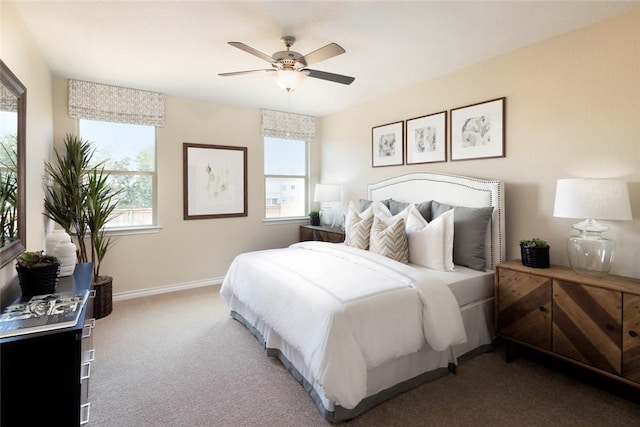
{"type": "Point", "coordinates": [129, 231]}
{"type": "Point", "coordinates": [291, 220]}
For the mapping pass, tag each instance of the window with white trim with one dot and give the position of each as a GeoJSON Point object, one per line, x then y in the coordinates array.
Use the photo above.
{"type": "Point", "coordinates": [286, 177]}
{"type": "Point", "coordinates": [129, 155]}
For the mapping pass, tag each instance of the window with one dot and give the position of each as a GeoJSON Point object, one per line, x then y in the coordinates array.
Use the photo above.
{"type": "Point", "coordinates": [285, 177]}
{"type": "Point", "coordinates": [129, 153]}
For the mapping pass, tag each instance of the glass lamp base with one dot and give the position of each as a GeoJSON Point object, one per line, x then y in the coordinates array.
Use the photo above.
{"type": "Point", "coordinates": [590, 254]}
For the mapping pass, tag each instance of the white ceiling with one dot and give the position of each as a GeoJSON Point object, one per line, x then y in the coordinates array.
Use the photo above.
{"type": "Point", "coordinates": [179, 47]}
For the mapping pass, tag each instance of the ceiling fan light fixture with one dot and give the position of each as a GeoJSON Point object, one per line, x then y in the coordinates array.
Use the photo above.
{"type": "Point", "coordinates": [289, 80]}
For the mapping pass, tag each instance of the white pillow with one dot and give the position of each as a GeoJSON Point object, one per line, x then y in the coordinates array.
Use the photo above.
{"type": "Point", "coordinates": [431, 245]}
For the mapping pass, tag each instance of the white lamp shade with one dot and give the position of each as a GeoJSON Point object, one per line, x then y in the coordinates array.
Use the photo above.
{"type": "Point", "coordinates": [328, 193]}
{"type": "Point", "coordinates": [606, 199]}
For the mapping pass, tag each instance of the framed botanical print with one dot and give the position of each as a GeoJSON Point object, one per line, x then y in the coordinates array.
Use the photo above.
{"type": "Point", "coordinates": [215, 181]}
{"type": "Point", "coordinates": [387, 145]}
{"type": "Point", "coordinates": [477, 131]}
{"type": "Point", "coordinates": [426, 138]}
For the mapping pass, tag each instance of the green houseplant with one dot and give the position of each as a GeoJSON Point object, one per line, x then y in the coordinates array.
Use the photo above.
{"type": "Point", "coordinates": [314, 217]}
{"type": "Point", "coordinates": [535, 252]}
{"type": "Point", "coordinates": [37, 273]}
{"type": "Point", "coordinates": [80, 199]}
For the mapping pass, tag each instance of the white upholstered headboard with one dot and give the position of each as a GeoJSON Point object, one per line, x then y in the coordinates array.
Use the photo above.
{"type": "Point", "coordinates": [452, 190]}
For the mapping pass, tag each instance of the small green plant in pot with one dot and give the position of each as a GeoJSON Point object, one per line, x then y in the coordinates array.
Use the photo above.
{"type": "Point", "coordinates": [535, 253]}
{"type": "Point", "coordinates": [37, 273]}
{"type": "Point", "coordinates": [314, 216]}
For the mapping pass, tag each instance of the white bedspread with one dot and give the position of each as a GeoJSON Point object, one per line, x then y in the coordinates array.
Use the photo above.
{"type": "Point", "coordinates": [345, 310]}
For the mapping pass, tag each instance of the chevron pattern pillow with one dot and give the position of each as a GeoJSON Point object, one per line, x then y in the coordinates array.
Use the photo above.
{"type": "Point", "coordinates": [358, 229]}
{"type": "Point", "coordinates": [390, 240]}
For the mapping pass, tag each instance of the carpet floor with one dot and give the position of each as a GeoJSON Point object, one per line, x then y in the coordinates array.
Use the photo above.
{"type": "Point", "coordinates": [178, 359]}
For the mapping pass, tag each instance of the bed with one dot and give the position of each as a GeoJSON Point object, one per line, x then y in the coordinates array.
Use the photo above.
{"type": "Point", "coordinates": [356, 327]}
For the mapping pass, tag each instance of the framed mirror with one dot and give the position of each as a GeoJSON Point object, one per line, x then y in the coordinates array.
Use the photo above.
{"type": "Point", "coordinates": [13, 116]}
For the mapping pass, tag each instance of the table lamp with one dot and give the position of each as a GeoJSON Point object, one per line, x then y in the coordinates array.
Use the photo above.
{"type": "Point", "coordinates": [604, 199]}
{"type": "Point", "coordinates": [328, 193]}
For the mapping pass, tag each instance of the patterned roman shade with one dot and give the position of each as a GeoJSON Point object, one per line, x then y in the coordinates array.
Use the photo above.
{"type": "Point", "coordinates": [278, 124]}
{"type": "Point", "coordinates": [96, 101]}
{"type": "Point", "coordinates": [8, 101]}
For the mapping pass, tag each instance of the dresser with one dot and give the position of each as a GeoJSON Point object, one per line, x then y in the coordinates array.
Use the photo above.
{"type": "Point", "coordinates": [321, 233]}
{"type": "Point", "coordinates": [590, 321]}
{"type": "Point", "coordinates": [45, 375]}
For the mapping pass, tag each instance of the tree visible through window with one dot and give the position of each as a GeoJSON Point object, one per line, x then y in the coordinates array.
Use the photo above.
{"type": "Point", "coordinates": [285, 177]}
{"type": "Point", "coordinates": [129, 155]}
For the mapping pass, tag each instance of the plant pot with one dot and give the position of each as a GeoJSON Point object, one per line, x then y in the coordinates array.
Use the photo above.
{"type": "Point", "coordinates": [315, 220]}
{"type": "Point", "coordinates": [103, 302]}
{"type": "Point", "coordinates": [535, 257]}
{"type": "Point", "coordinates": [38, 280]}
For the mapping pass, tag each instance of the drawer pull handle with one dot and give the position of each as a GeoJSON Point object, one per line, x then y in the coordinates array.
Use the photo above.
{"type": "Point", "coordinates": [88, 327]}
{"type": "Point", "coordinates": [91, 355]}
{"type": "Point", "coordinates": [541, 308]}
{"type": "Point", "coordinates": [92, 293]}
{"type": "Point", "coordinates": [633, 334]}
{"type": "Point", "coordinates": [84, 413]}
{"type": "Point", "coordinates": [86, 371]}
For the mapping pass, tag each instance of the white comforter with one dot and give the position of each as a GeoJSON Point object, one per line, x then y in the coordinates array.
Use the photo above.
{"type": "Point", "coordinates": [345, 310]}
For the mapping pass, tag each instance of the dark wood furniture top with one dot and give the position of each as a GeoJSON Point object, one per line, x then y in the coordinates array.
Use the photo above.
{"type": "Point", "coordinates": [321, 233]}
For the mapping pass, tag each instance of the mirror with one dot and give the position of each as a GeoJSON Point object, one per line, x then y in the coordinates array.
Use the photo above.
{"type": "Point", "coordinates": [13, 115]}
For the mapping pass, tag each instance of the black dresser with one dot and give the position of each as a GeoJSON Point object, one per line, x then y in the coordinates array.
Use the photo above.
{"type": "Point", "coordinates": [45, 375]}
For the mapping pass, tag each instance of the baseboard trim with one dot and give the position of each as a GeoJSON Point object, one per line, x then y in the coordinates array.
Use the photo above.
{"type": "Point", "coordinates": [166, 289]}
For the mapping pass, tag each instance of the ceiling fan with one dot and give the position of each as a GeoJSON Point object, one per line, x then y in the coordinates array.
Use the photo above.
{"type": "Point", "coordinates": [290, 67]}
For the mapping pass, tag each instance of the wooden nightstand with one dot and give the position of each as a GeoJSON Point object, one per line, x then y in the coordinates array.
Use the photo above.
{"type": "Point", "coordinates": [590, 321]}
{"type": "Point", "coordinates": [321, 233]}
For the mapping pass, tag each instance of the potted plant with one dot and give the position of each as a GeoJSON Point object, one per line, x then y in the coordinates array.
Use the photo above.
{"type": "Point", "coordinates": [535, 253]}
{"type": "Point", "coordinates": [37, 273]}
{"type": "Point", "coordinates": [314, 217]}
{"type": "Point", "coordinates": [80, 199]}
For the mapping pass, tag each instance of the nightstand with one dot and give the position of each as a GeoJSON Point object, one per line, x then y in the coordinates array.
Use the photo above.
{"type": "Point", "coordinates": [589, 321]}
{"type": "Point", "coordinates": [321, 233]}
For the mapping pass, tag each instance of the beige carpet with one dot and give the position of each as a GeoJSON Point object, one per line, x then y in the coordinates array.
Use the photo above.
{"type": "Point", "coordinates": [178, 359]}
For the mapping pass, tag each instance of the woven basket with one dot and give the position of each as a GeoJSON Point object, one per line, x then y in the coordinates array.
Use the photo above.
{"type": "Point", "coordinates": [535, 257]}
{"type": "Point", "coordinates": [38, 280]}
{"type": "Point", "coordinates": [103, 303]}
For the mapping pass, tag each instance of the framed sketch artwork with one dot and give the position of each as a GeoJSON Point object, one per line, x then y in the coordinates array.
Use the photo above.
{"type": "Point", "coordinates": [477, 131]}
{"type": "Point", "coordinates": [387, 144]}
{"type": "Point", "coordinates": [215, 181]}
{"type": "Point", "coordinates": [426, 138]}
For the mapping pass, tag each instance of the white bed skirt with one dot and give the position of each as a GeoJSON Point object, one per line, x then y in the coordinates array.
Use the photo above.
{"type": "Point", "coordinates": [388, 379]}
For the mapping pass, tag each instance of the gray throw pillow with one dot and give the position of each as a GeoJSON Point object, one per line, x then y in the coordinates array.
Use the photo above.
{"type": "Point", "coordinates": [469, 232]}
{"type": "Point", "coordinates": [364, 203]}
{"type": "Point", "coordinates": [395, 207]}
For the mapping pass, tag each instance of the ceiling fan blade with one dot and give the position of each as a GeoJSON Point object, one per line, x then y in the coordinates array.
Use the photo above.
{"type": "Point", "coordinates": [326, 52]}
{"type": "Point", "coordinates": [237, 73]}
{"type": "Point", "coordinates": [253, 51]}
{"type": "Point", "coordinates": [337, 78]}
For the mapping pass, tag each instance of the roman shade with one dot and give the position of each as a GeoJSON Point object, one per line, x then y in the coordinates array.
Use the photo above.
{"type": "Point", "coordinates": [278, 124]}
{"type": "Point", "coordinates": [8, 101]}
{"type": "Point", "coordinates": [96, 101]}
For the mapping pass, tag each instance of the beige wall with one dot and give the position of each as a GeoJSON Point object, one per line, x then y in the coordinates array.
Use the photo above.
{"type": "Point", "coordinates": [572, 110]}
{"type": "Point", "coordinates": [182, 252]}
{"type": "Point", "coordinates": [20, 53]}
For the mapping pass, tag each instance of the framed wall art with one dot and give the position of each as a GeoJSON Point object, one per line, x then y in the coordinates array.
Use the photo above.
{"type": "Point", "coordinates": [426, 138]}
{"type": "Point", "coordinates": [387, 145]}
{"type": "Point", "coordinates": [477, 131]}
{"type": "Point", "coordinates": [215, 181]}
